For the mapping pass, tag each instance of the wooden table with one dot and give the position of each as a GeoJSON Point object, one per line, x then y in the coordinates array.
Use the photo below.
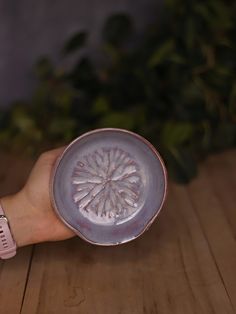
{"type": "Point", "coordinates": [185, 263]}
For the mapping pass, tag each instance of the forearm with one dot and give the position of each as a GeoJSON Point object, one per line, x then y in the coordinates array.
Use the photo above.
{"type": "Point", "coordinates": [23, 223]}
{"type": "Point", "coordinates": [30, 213]}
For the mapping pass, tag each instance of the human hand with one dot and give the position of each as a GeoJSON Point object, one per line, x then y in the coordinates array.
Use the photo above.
{"type": "Point", "coordinates": [30, 213]}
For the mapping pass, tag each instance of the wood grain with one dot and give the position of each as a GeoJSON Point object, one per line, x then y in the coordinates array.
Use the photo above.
{"type": "Point", "coordinates": [169, 270]}
{"type": "Point", "coordinates": [220, 175]}
{"type": "Point", "coordinates": [185, 263]}
{"type": "Point", "coordinates": [214, 218]}
{"type": "Point", "coordinates": [13, 272]}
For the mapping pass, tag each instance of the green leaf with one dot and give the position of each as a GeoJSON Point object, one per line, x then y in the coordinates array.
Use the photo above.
{"type": "Point", "coordinates": [161, 53]}
{"type": "Point", "coordinates": [43, 68]}
{"type": "Point", "coordinates": [181, 165]}
{"type": "Point", "coordinates": [190, 32]}
{"type": "Point", "coordinates": [112, 51]}
{"type": "Point", "coordinates": [176, 58]}
{"type": "Point", "coordinates": [225, 136]}
{"type": "Point", "coordinates": [25, 125]}
{"type": "Point", "coordinates": [117, 29]}
{"type": "Point", "coordinates": [215, 13]}
{"type": "Point", "coordinates": [22, 121]}
{"type": "Point", "coordinates": [84, 76]}
{"type": "Point", "coordinates": [63, 96]}
{"type": "Point", "coordinates": [62, 128]}
{"type": "Point", "coordinates": [118, 119]}
{"type": "Point", "coordinates": [224, 16]}
{"type": "Point", "coordinates": [101, 105]}
{"type": "Point", "coordinates": [4, 137]}
{"type": "Point", "coordinates": [206, 136]}
{"type": "Point", "coordinates": [176, 133]}
{"type": "Point", "coordinates": [4, 119]}
{"type": "Point", "coordinates": [76, 42]}
{"type": "Point", "coordinates": [42, 94]}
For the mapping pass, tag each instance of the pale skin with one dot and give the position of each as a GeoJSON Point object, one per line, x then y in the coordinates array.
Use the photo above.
{"type": "Point", "coordinates": [31, 216]}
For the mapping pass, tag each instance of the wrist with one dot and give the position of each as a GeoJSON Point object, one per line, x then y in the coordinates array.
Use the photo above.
{"type": "Point", "coordinates": [21, 219]}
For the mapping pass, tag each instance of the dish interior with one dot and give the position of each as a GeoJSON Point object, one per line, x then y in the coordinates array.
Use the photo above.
{"type": "Point", "coordinates": [108, 186]}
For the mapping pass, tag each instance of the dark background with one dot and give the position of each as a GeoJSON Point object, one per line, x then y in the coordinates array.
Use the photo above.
{"type": "Point", "coordinates": [163, 69]}
{"type": "Point", "coordinates": [29, 29]}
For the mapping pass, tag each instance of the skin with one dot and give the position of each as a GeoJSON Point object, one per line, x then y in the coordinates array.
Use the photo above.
{"type": "Point", "coordinates": [30, 214]}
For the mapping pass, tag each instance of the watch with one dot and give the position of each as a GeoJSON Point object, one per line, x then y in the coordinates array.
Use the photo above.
{"type": "Point", "coordinates": [7, 243]}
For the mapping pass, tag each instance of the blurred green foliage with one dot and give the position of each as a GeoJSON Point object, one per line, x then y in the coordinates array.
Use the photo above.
{"type": "Point", "coordinates": [175, 84]}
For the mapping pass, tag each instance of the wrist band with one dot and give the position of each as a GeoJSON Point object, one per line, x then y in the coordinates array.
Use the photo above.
{"type": "Point", "coordinates": [7, 243]}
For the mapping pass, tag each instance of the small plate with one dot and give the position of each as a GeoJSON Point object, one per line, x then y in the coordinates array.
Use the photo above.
{"type": "Point", "coordinates": [108, 186]}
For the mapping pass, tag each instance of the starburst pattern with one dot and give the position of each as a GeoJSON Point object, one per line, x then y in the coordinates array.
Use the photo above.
{"type": "Point", "coordinates": [107, 185]}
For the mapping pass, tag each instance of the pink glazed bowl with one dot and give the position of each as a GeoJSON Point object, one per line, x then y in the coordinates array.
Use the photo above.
{"type": "Point", "coordinates": [108, 186]}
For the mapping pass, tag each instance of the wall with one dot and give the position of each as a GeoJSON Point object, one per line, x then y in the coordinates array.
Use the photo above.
{"type": "Point", "coordinates": [29, 29]}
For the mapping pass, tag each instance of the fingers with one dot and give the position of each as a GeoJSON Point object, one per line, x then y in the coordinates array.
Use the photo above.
{"type": "Point", "coordinates": [51, 155]}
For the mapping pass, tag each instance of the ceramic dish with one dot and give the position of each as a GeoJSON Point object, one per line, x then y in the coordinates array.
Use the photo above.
{"type": "Point", "coordinates": [108, 186]}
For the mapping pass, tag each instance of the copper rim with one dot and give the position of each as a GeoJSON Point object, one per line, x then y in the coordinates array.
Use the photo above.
{"type": "Point", "coordinates": [141, 138]}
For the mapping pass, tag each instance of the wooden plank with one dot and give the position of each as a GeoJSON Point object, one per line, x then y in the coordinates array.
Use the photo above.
{"type": "Point", "coordinates": [13, 272]}
{"type": "Point", "coordinates": [170, 269]}
{"type": "Point", "coordinates": [220, 175]}
{"type": "Point", "coordinates": [213, 219]}
{"type": "Point", "coordinates": [13, 276]}
{"type": "Point", "coordinates": [204, 279]}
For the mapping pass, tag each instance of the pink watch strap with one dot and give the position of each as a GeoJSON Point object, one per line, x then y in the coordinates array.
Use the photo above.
{"type": "Point", "coordinates": [7, 243]}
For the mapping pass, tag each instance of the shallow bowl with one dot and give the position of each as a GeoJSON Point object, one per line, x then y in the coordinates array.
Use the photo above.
{"type": "Point", "coordinates": [108, 186]}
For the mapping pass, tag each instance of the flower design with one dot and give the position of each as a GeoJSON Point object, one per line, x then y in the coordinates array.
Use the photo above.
{"type": "Point", "coordinates": [107, 185]}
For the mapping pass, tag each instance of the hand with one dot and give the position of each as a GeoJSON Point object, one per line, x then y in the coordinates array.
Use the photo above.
{"type": "Point", "coordinates": [30, 213]}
